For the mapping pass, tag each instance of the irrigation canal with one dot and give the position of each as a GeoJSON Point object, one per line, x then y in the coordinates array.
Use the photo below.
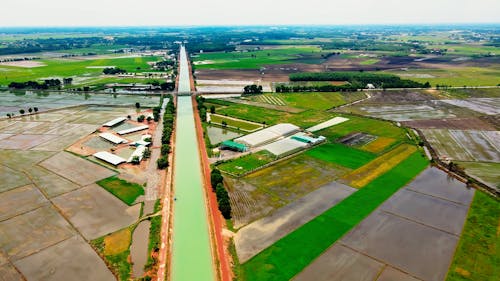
{"type": "Point", "coordinates": [191, 251]}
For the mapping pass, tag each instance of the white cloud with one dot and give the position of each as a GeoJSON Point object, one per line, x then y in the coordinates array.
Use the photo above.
{"type": "Point", "coordinates": [238, 12]}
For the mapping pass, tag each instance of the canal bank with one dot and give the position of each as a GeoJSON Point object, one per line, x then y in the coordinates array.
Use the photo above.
{"type": "Point", "coordinates": [191, 257]}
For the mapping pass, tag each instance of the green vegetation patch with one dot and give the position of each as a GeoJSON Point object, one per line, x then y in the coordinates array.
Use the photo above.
{"type": "Point", "coordinates": [119, 262]}
{"type": "Point", "coordinates": [287, 257]}
{"type": "Point", "coordinates": [124, 190]}
{"type": "Point", "coordinates": [242, 124]}
{"type": "Point", "coordinates": [247, 163]}
{"type": "Point", "coordinates": [154, 237]}
{"type": "Point", "coordinates": [257, 59]}
{"type": "Point", "coordinates": [477, 255]}
{"type": "Point", "coordinates": [341, 154]}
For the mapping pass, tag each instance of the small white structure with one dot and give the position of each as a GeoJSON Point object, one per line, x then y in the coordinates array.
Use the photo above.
{"type": "Point", "coordinates": [139, 152]}
{"type": "Point", "coordinates": [268, 135]}
{"type": "Point", "coordinates": [142, 141]}
{"type": "Point", "coordinates": [370, 86]}
{"type": "Point", "coordinates": [114, 122]}
{"type": "Point", "coordinates": [326, 124]}
{"type": "Point", "coordinates": [110, 158]}
{"type": "Point", "coordinates": [112, 138]}
{"type": "Point", "coordinates": [133, 130]}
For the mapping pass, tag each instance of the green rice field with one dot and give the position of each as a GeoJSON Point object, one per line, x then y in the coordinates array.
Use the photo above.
{"type": "Point", "coordinates": [124, 190]}
{"type": "Point", "coordinates": [342, 155]}
{"type": "Point", "coordinates": [247, 163]}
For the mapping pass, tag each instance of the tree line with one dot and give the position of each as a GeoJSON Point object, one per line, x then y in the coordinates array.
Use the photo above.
{"type": "Point", "coordinates": [359, 79]}
{"type": "Point", "coordinates": [168, 127]}
{"type": "Point", "coordinates": [221, 193]}
{"type": "Point", "coordinates": [46, 84]}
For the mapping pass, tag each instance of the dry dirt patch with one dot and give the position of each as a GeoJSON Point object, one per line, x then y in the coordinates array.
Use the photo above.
{"type": "Point", "coordinates": [25, 141]}
{"type": "Point", "coordinates": [24, 63]}
{"type": "Point", "coordinates": [9, 273]}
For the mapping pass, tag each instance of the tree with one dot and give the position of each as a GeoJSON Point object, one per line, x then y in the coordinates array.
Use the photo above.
{"type": "Point", "coordinates": [215, 178]}
{"type": "Point", "coordinates": [147, 153]}
{"type": "Point", "coordinates": [165, 149]}
{"type": "Point", "coordinates": [223, 201]}
{"type": "Point", "coordinates": [35, 109]}
{"type": "Point", "coordinates": [162, 163]}
{"type": "Point", "coordinates": [9, 116]}
{"type": "Point", "coordinates": [136, 160]}
{"type": "Point", "coordinates": [212, 109]}
{"type": "Point", "coordinates": [137, 105]}
{"type": "Point", "coordinates": [224, 123]}
{"type": "Point", "coordinates": [30, 110]}
{"type": "Point", "coordinates": [21, 111]}
{"type": "Point", "coordinates": [141, 118]}
{"type": "Point", "coordinates": [149, 119]}
{"type": "Point", "coordinates": [129, 117]}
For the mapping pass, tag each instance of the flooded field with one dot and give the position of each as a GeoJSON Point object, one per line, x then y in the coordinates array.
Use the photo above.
{"type": "Point", "coordinates": [218, 135]}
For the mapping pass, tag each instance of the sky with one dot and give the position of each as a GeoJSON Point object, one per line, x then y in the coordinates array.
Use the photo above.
{"type": "Point", "coordinates": [244, 12]}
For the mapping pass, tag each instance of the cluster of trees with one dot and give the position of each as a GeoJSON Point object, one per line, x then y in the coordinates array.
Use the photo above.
{"type": "Point", "coordinates": [288, 88]}
{"type": "Point", "coordinates": [216, 180]}
{"type": "Point", "coordinates": [252, 89]}
{"type": "Point", "coordinates": [359, 79]}
{"type": "Point", "coordinates": [164, 65]}
{"type": "Point", "coordinates": [46, 84]}
{"type": "Point", "coordinates": [113, 70]}
{"type": "Point", "coordinates": [168, 127]}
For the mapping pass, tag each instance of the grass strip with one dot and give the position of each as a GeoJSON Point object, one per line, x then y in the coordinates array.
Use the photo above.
{"type": "Point", "coordinates": [477, 256]}
{"type": "Point", "coordinates": [290, 255]}
{"type": "Point", "coordinates": [124, 190]}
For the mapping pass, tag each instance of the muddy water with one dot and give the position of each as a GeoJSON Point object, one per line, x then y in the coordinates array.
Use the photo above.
{"type": "Point", "coordinates": [191, 255]}
{"type": "Point", "coordinates": [139, 248]}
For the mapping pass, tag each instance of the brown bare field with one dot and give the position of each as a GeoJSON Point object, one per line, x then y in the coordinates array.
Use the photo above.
{"type": "Point", "coordinates": [9, 273]}
{"type": "Point", "coordinates": [269, 76]}
{"type": "Point", "coordinates": [364, 175]}
{"type": "Point", "coordinates": [23, 63]}
{"type": "Point", "coordinates": [117, 242]}
{"type": "Point", "coordinates": [20, 200]}
{"type": "Point", "coordinates": [378, 145]}
{"type": "Point", "coordinates": [452, 123]}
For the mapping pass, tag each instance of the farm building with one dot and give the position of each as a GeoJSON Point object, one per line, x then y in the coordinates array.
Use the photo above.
{"type": "Point", "coordinates": [285, 147]}
{"type": "Point", "coordinates": [307, 139]}
{"type": "Point", "coordinates": [142, 141]}
{"type": "Point", "coordinates": [114, 122]}
{"type": "Point", "coordinates": [133, 130]}
{"type": "Point", "coordinates": [139, 152]}
{"type": "Point", "coordinates": [231, 145]}
{"type": "Point", "coordinates": [326, 124]}
{"type": "Point", "coordinates": [109, 158]}
{"type": "Point", "coordinates": [268, 135]}
{"type": "Point", "coordinates": [112, 138]}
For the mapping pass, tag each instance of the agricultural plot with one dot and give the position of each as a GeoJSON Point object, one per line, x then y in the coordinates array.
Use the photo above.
{"type": "Point", "coordinates": [95, 212]}
{"type": "Point", "coordinates": [234, 123]}
{"type": "Point", "coordinates": [313, 238]}
{"type": "Point", "coordinates": [341, 155]}
{"type": "Point", "coordinates": [261, 234]}
{"type": "Point", "coordinates": [472, 123]}
{"type": "Point", "coordinates": [378, 145]}
{"type": "Point", "coordinates": [275, 99]}
{"type": "Point", "coordinates": [464, 145]}
{"type": "Point", "coordinates": [20, 200]}
{"type": "Point", "coordinates": [365, 174]}
{"type": "Point", "coordinates": [259, 193]}
{"type": "Point", "coordinates": [417, 228]}
{"type": "Point", "coordinates": [485, 172]}
{"type": "Point", "coordinates": [404, 112]}
{"type": "Point", "coordinates": [13, 102]}
{"type": "Point", "coordinates": [489, 106]}
{"type": "Point", "coordinates": [357, 139]}
{"type": "Point", "coordinates": [76, 169]}
{"type": "Point", "coordinates": [217, 135]}
{"type": "Point", "coordinates": [61, 260]}
{"type": "Point", "coordinates": [17, 239]}
{"type": "Point", "coordinates": [247, 163]}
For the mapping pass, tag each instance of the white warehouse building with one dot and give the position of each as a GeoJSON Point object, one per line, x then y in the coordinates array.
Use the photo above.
{"type": "Point", "coordinates": [268, 135]}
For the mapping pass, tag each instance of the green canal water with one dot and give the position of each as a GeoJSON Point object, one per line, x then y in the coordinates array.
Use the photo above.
{"type": "Point", "coordinates": [191, 254]}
